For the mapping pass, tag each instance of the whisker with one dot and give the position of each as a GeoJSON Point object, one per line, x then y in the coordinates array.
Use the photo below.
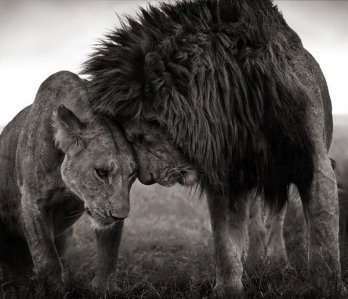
{"type": "Point", "coordinates": [180, 169]}
{"type": "Point", "coordinates": [77, 211]}
{"type": "Point", "coordinates": [75, 215]}
{"type": "Point", "coordinates": [81, 222]}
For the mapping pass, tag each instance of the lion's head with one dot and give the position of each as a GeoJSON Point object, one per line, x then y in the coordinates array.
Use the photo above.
{"type": "Point", "coordinates": [99, 166]}
{"type": "Point", "coordinates": [158, 159]}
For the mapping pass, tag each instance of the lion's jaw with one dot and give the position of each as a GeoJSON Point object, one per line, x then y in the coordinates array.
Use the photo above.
{"type": "Point", "coordinates": [183, 177]}
{"type": "Point", "coordinates": [189, 179]}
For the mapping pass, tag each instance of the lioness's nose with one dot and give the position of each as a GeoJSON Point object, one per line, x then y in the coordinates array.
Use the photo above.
{"type": "Point", "coordinates": [117, 218]}
{"type": "Point", "coordinates": [119, 214]}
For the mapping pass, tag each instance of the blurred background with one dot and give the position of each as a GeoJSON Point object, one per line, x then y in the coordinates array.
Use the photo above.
{"type": "Point", "coordinates": [38, 38]}
{"type": "Point", "coordinates": [166, 248]}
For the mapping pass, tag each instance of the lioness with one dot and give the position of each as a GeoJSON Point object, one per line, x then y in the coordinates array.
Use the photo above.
{"type": "Point", "coordinates": [56, 160]}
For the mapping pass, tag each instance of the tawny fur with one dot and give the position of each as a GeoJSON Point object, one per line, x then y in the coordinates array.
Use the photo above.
{"type": "Point", "coordinates": [48, 177]}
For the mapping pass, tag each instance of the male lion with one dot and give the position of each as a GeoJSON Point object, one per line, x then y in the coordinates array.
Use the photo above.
{"type": "Point", "coordinates": [223, 90]}
{"type": "Point", "coordinates": [50, 172]}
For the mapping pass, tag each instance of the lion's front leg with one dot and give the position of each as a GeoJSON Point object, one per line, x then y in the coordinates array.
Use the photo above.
{"type": "Point", "coordinates": [38, 228]}
{"type": "Point", "coordinates": [108, 242]}
{"type": "Point", "coordinates": [321, 206]}
{"type": "Point", "coordinates": [275, 239]}
{"type": "Point", "coordinates": [229, 223]}
{"type": "Point", "coordinates": [256, 233]}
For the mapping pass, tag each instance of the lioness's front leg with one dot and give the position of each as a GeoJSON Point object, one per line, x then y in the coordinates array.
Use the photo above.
{"type": "Point", "coordinates": [38, 228]}
{"type": "Point", "coordinates": [229, 223]}
{"type": "Point", "coordinates": [108, 242]}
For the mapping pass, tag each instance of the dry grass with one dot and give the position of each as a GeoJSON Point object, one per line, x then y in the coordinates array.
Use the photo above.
{"type": "Point", "coordinates": [166, 252]}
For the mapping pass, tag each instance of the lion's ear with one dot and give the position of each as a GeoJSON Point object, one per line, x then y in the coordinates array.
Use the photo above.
{"type": "Point", "coordinates": [67, 128]}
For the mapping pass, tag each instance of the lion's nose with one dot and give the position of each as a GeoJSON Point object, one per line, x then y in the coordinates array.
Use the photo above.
{"type": "Point", "coordinates": [146, 178]}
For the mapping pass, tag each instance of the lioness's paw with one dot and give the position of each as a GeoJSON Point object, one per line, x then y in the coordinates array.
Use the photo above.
{"type": "Point", "coordinates": [221, 290]}
{"type": "Point", "coordinates": [53, 276]}
{"type": "Point", "coordinates": [109, 283]}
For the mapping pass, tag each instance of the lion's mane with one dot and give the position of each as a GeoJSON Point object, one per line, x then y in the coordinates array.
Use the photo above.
{"type": "Point", "coordinates": [220, 75]}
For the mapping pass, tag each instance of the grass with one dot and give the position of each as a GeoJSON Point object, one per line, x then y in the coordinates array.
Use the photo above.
{"type": "Point", "coordinates": [166, 252]}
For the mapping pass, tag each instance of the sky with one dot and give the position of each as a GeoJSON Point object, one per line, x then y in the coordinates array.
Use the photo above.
{"type": "Point", "coordinates": [39, 38]}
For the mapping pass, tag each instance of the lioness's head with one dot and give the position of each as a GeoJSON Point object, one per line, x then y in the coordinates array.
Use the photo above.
{"type": "Point", "coordinates": [99, 166]}
{"type": "Point", "coordinates": [159, 160]}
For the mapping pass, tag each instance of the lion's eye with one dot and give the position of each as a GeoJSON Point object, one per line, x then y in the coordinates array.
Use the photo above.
{"type": "Point", "coordinates": [130, 137]}
{"type": "Point", "coordinates": [133, 175]}
{"type": "Point", "coordinates": [140, 138]}
{"type": "Point", "coordinates": [101, 173]}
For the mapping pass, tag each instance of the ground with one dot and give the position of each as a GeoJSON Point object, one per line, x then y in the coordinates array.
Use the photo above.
{"type": "Point", "coordinates": [166, 252]}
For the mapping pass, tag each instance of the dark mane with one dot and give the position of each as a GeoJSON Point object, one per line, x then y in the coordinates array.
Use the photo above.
{"type": "Point", "coordinates": [220, 76]}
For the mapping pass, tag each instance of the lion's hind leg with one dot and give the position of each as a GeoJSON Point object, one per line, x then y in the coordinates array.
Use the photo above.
{"type": "Point", "coordinates": [256, 232]}
{"type": "Point", "coordinates": [276, 249]}
{"type": "Point", "coordinates": [321, 209]}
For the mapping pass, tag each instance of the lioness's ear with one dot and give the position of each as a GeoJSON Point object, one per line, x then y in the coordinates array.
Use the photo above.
{"type": "Point", "coordinates": [67, 128]}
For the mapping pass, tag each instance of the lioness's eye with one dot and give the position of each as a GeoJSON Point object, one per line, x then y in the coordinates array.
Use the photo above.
{"type": "Point", "coordinates": [103, 174]}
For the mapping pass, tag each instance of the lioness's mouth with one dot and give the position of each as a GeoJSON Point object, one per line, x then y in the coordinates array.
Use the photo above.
{"type": "Point", "coordinates": [100, 219]}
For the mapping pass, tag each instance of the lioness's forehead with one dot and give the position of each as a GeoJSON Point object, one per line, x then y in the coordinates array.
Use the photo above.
{"type": "Point", "coordinates": [112, 141]}
{"type": "Point", "coordinates": [118, 135]}
{"type": "Point", "coordinates": [102, 151]}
